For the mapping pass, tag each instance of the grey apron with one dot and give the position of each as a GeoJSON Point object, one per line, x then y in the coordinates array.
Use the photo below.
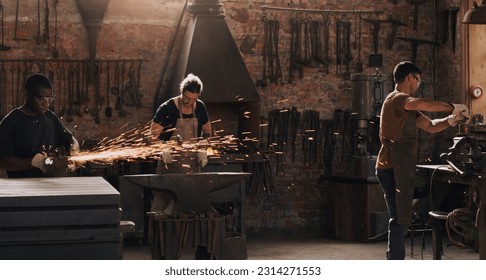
{"type": "Point", "coordinates": [403, 152]}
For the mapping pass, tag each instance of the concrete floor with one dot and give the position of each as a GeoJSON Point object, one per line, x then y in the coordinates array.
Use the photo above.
{"type": "Point", "coordinates": [315, 246]}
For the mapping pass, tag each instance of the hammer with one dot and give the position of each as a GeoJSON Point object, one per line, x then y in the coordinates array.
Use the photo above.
{"type": "Point", "coordinates": [375, 59]}
{"type": "Point", "coordinates": [415, 43]}
{"type": "Point", "coordinates": [393, 33]}
{"type": "Point", "coordinates": [416, 4]}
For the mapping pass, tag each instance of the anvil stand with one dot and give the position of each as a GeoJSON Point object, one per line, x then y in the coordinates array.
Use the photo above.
{"type": "Point", "coordinates": [191, 196]}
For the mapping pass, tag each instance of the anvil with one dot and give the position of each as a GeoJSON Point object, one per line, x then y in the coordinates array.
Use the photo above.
{"type": "Point", "coordinates": [191, 192]}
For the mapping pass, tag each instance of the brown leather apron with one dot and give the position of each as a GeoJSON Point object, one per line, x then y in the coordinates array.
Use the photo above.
{"type": "Point", "coordinates": [403, 152]}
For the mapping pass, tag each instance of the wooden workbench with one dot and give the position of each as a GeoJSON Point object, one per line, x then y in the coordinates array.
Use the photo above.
{"type": "Point", "coordinates": [59, 218]}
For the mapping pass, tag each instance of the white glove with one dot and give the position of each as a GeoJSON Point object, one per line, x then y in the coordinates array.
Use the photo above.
{"type": "Point", "coordinates": [166, 157]}
{"type": "Point", "coordinates": [202, 158]}
{"type": "Point", "coordinates": [39, 161]}
{"type": "Point", "coordinates": [460, 109]}
{"type": "Point", "coordinates": [453, 120]}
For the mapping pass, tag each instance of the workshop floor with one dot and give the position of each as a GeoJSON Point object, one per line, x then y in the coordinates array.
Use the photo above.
{"type": "Point", "coordinates": [314, 246]}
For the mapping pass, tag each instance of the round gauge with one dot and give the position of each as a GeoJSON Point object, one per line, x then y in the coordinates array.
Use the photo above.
{"type": "Point", "coordinates": [476, 91]}
{"type": "Point", "coordinates": [477, 119]}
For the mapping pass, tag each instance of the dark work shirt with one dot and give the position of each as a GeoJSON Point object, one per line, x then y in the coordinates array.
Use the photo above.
{"type": "Point", "coordinates": [168, 113]}
{"type": "Point", "coordinates": [24, 136]}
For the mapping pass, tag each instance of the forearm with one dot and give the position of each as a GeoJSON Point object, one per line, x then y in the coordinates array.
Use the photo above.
{"type": "Point", "coordinates": [206, 130]}
{"type": "Point", "coordinates": [15, 163]}
{"type": "Point", "coordinates": [155, 130]}
{"type": "Point", "coordinates": [439, 125]}
{"type": "Point", "coordinates": [427, 105]}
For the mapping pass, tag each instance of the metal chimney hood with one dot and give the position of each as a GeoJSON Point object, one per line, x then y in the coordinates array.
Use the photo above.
{"type": "Point", "coordinates": [210, 52]}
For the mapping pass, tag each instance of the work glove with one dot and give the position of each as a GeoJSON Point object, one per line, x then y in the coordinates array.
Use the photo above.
{"type": "Point", "coordinates": [56, 166]}
{"type": "Point", "coordinates": [454, 119]}
{"type": "Point", "coordinates": [460, 109]}
{"type": "Point", "coordinates": [202, 158]}
{"type": "Point", "coordinates": [39, 161]}
{"type": "Point", "coordinates": [166, 157]}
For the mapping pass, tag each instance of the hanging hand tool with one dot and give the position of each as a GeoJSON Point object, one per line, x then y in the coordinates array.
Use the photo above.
{"type": "Point", "coordinates": [12, 83]}
{"type": "Point", "coordinates": [453, 18]}
{"type": "Point", "coordinates": [17, 23]}
{"type": "Point", "coordinates": [375, 59]}
{"type": "Point", "coordinates": [78, 101]}
{"type": "Point", "coordinates": [315, 43]}
{"type": "Point", "coordinates": [393, 32]}
{"type": "Point", "coordinates": [70, 90]}
{"type": "Point", "coordinates": [85, 82]}
{"type": "Point", "coordinates": [415, 43]}
{"type": "Point", "coordinates": [443, 33]}
{"type": "Point", "coordinates": [98, 99]}
{"type": "Point", "coordinates": [62, 89]}
{"type": "Point", "coordinates": [347, 50]}
{"type": "Point", "coordinates": [55, 53]}
{"type": "Point", "coordinates": [121, 112]}
{"type": "Point", "coordinates": [359, 64]}
{"type": "Point", "coordinates": [416, 4]}
{"type": "Point", "coordinates": [3, 47]}
{"type": "Point", "coordinates": [38, 36]}
{"type": "Point", "coordinates": [108, 109]}
{"type": "Point", "coordinates": [46, 25]}
{"type": "Point", "coordinates": [133, 86]}
{"type": "Point", "coordinates": [338, 46]}
{"type": "Point", "coordinates": [326, 60]}
{"type": "Point", "coordinates": [19, 81]}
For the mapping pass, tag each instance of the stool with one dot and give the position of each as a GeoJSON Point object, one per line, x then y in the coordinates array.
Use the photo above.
{"type": "Point", "coordinates": [436, 218]}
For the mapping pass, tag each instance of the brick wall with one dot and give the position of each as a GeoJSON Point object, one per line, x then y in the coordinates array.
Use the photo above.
{"type": "Point", "coordinates": [144, 30]}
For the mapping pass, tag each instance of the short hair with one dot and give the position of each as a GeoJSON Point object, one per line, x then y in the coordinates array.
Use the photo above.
{"type": "Point", "coordinates": [191, 83]}
{"type": "Point", "coordinates": [35, 82]}
{"type": "Point", "coordinates": [402, 69]}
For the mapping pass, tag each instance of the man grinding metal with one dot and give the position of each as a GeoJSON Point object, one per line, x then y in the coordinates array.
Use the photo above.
{"type": "Point", "coordinates": [31, 134]}
{"type": "Point", "coordinates": [183, 118]}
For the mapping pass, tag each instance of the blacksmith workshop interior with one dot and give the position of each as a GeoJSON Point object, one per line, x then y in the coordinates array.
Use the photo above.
{"type": "Point", "coordinates": [293, 90]}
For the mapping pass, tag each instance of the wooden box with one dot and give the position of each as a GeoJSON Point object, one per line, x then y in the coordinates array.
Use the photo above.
{"type": "Point", "coordinates": [59, 218]}
{"type": "Point", "coordinates": [352, 210]}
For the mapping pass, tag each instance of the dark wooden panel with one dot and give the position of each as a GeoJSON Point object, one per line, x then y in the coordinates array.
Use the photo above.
{"type": "Point", "coordinates": [349, 210]}
{"type": "Point", "coordinates": [63, 251]}
{"type": "Point", "coordinates": [59, 217]}
{"type": "Point", "coordinates": [70, 191]}
{"type": "Point", "coordinates": [61, 234]}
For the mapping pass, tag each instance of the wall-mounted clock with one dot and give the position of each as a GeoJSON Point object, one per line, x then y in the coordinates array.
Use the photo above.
{"type": "Point", "coordinates": [476, 91]}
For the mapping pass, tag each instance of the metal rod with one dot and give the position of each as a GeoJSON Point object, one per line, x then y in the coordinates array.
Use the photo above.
{"type": "Point", "coordinates": [265, 7]}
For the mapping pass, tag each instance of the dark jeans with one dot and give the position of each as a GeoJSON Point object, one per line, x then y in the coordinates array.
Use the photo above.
{"type": "Point", "coordinates": [396, 232]}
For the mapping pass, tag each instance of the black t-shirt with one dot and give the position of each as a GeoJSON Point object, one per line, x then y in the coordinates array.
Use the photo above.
{"type": "Point", "coordinates": [168, 113]}
{"type": "Point", "coordinates": [24, 136]}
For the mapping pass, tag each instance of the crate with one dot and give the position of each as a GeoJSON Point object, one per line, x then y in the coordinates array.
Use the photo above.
{"type": "Point", "coordinates": [59, 218]}
{"type": "Point", "coordinates": [235, 246]}
{"type": "Point", "coordinates": [352, 210]}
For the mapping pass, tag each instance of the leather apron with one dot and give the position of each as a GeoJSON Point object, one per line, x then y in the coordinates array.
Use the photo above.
{"type": "Point", "coordinates": [403, 152]}
{"type": "Point", "coordinates": [185, 130]}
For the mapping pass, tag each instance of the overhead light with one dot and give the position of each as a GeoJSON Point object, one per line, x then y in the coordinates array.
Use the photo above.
{"type": "Point", "coordinates": [476, 15]}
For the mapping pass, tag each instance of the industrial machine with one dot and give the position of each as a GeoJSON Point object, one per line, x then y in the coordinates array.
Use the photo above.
{"type": "Point", "coordinates": [369, 92]}
{"type": "Point", "coordinates": [467, 154]}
